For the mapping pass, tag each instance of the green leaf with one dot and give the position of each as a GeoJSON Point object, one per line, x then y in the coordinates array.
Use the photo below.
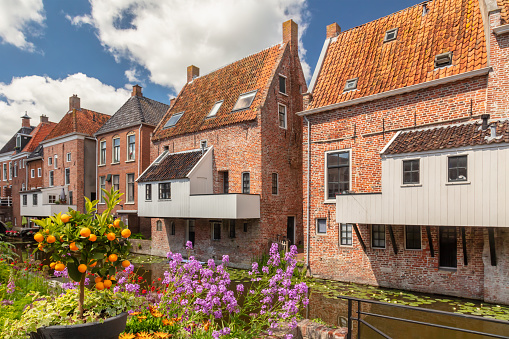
{"type": "Point", "coordinates": [112, 271]}
{"type": "Point", "coordinates": [97, 256]}
{"type": "Point", "coordinates": [73, 272]}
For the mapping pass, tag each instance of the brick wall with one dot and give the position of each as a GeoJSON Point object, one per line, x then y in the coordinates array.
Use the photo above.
{"type": "Point", "coordinates": [17, 183]}
{"type": "Point", "coordinates": [36, 181]}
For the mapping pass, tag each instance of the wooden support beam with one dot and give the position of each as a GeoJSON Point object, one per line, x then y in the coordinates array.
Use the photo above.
{"type": "Point", "coordinates": [393, 241]}
{"type": "Point", "coordinates": [464, 241]}
{"type": "Point", "coordinates": [430, 241]}
{"type": "Point", "coordinates": [493, 252]}
{"type": "Point", "coordinates": [359, 237]}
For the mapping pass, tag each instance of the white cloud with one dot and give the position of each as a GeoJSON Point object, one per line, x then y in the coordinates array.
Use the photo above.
{"type": "Point", "coordinates": [167, 36]}
{"type": "Point", "coordinates": [42, 95]}
{"type": "Point", "coordinates": [132, 75]}
{"type": "Point", "coordinates": [17, 18]}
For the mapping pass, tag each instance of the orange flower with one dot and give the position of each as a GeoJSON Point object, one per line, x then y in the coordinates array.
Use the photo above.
{"type": "Point", "coordinates": [161, 335]}
{"type": "Point", "coordinates": [143, 335]}
{"type": "Point", "coordinates": [134, 313]}
{"type": "Point", "coordinates": [167, 322]}
{"type": "Point", "coordinates": [127, 336]}
{"type": "Point", "coordinates": [141, 318]}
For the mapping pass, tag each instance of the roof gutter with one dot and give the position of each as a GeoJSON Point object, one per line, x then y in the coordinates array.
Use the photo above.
{"type": "Point", "coordinates": [398, 91]}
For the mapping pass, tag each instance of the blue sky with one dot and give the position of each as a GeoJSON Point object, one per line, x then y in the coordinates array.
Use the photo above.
{"type": "Point", "coordinates": [99, 49]}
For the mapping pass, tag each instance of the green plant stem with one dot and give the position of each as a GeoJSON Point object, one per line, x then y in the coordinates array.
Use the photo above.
{"type": "Point", "coordinates": [82, 295]}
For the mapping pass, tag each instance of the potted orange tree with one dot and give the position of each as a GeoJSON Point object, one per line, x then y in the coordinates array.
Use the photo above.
{"type": "Point", "coordinates": [86, 243]}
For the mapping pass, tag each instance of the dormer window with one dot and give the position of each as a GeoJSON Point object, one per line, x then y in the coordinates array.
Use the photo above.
{"type": "Point", "coordinates": [391, 35]}
{"type": "Point", "coordinates": [18, 141]}
{"type": "Point", "coordinates": [424, 10]}
{"type": "Point", "coordinates": [215, 109]}
{"type": "Point", "coordinates": [173, 120]}
{"type": "Point", "coordinates": [443, 60]}
{"type": "Point", "coordinates": [351, 85]}
{"type": "Point", "coordinates": [245, 100]}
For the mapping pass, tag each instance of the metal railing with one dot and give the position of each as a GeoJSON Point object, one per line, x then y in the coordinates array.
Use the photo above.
{"type": "Point", "coordinates": [6, 201]}
{"type": "Point", "coordinates": [360, 321]}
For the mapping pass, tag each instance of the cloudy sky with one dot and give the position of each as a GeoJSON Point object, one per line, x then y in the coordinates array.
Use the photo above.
{"type": "Point", "coordinates": [51, 49]}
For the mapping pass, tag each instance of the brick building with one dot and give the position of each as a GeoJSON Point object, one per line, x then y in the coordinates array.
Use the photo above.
{"type": "Point", "coordinates": [123, 148]}
{"type": "Point", "coordinates": [67, 157]}
{"type": "Point", "coordinates": [226, 171]}
{"type": "Point", "coordinates": [404, 186]}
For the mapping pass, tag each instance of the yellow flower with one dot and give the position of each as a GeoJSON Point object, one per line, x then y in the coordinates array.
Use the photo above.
{"type": "Point", "coordinates": [167, 322]}
{"type": "Point", "coordinates": [161, 335]}
{"type": "Point", "coordinates": [135, 313]}
{"type": "Point", "coordinates": [143, 335]}
{"type": "Point", "coordinates": [141, 318]}
{"type": "Point", "coordinates": [156, 314]}
{"type": "Point", "coordinates": [127, 336]}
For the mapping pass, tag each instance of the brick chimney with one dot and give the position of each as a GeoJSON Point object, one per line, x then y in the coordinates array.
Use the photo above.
{"type": "Point", "coordinates": [291, 34]}
{"type": "Point", "coordinates": [136, 91]}
{"type": "Point", "coordinates": [192, 72]}
{"type": "Point", "coordinates": [74, 102]}
{"type": "Point", "coordinates": [25, 120]}
{"type": "Point", "coordinates": [333, 30]}
{"type": "Point", "coordinates": [44, 118]}
{"type": "Point", "coordinates": [172, 101]}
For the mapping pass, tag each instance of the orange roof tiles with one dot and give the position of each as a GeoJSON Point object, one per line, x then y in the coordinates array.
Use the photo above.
{"type": "Point", "coordinates": [199, 96]}
{"type": "Point", "coordinates": [38, 135]}
{"type": "Point", "coordinates": [504, 11]}
{"type": "Point", "coordinates": [449, 25]}
{"type": "Point", "coordinates": [79, 121]}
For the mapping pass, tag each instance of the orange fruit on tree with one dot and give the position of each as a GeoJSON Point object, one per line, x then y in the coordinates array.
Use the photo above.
{"type": "Point", "coordinates": [116, 223]}
{"type": "Point", "coordinates": [111, 236]}
{"type": "Point", "coordinates": [110, 225]}
{"type": "Point", "coordinates": [85, 232]}
{"type": "Point", "coordinates": [82, 268]}
{"type": "Point", "coordinates": [51, 239]}
{"type": "Point", "coordinates": [73, 246]}
{"type": "Point", "coordinates": [40, 247]}
{"type": "Point", "coordinates": [38, 237]}
{"type": "Point", "coordinates": [61, 238]}
{"type": "Point", "coordinates": [92, 237]}
{"type": "Point", "coordinates": [107, 283]}
{"type": "Point", "coordinates": [98, 279]}
{"type": "Point", "coordinates": [46, 231]}
{"type": "Point", "coordinates": [65, 218]}
{"type": "Point", "coordinates": [125, 263]}
{"type": "Point", "coordinates": [126, 233]}
{"type": "Point", "coordinates": [113, 257]}
{"type": "Point", "coordinates": [52, 265]}
{"type": "Point", "coordinates": [99, 285]}
{"type": "Point", "coordinates": [92, 265]}
{"type": "Point", "coordinates": [59, 267]}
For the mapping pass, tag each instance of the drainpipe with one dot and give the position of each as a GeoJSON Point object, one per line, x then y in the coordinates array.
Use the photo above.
{"type": "Point", "coordinates": [308, 179]}
{"type": "Point", "coordinates": [139, 150]}
{"type": "Point", "coordinates": [97, 189]}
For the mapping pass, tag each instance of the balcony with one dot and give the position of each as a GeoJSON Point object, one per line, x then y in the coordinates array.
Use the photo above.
{"type": "Point", "coordinates": [44, 202]}
{"type": "Point", "coordinates": [44, 210]}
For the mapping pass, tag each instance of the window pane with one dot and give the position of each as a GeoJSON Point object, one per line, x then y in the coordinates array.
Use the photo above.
{"type": "Point", "coordinates": [413, 237]}
{"type": "Point", "coordinates": [173, 120]}
{"type": "Point", "coordinates": [346, 234]}
{"type": "Point", "coordinates": [378, 235]}
{"type": "Point", "coordinates": [244, 101]}
{"type": "Point", "coordinates": [282, 84]}
{"type": "Point", "coordinates": [332, 160]}
{"type": "Point", "coordinates": [321, 226]}
{"type": "Point", "coordinates": [215, 109]}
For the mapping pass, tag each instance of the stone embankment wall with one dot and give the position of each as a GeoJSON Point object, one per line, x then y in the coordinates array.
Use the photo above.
{"type": "Point", "coordinates": [307, 329]}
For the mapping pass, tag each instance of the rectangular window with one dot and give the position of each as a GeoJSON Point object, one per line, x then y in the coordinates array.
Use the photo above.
{"type": "Point", "coordinates": [102, 154]}
{"type": "Point", "coordinates": [165, 190]}
{"type": "Point", "coordinates": [68, 158]}
{"type": "Point", "coordinates": [102, 186]}
{"type": "Point", "coordinates": [282, 84]}
{"type": "Point", "coordinates": [350, 85]}
{"type": "Point", "coordinates": [173, 120]}
{"type": "Point", "coordinates": [55, 161]}
{"type": "Point", "coordinates": [245, 183]}
{"type": "Point", "coordinates": [391, 35]}
{"type": "Point", "coordinates": [413, 237]}
{"type": "Point", "coordinates": [226, 182]}
{"type": "Point", "coordinates": [216, 231]}
{"type": "Point", "coordinates": [411, 171]}
{"type": "Point", "coordinates": [148, 192]}
{"type": "Point", "coordinates": [116, 150]}
{"type": "Point", "coordinates": [34, 199]}
{"type": "Point", "coordinates": [173, 228]}
{"type": "Point", "coordinates": [51, 179]}
{"type": "Point", "coordinates": [131, 146]}
{"type": "Point", "coordinates": [321, 226]}
{"type": "Point", "coordinates": [378, 236]}
{"type": "Point", "coordinates": [52, 198]}
{"type": "Point", "coordinates": [32, 173]}
{"type": "Point", "coordinates": [15, 169]}
{"type": "Point", "coordinates": [25, 199]}
{"type": "Point", "coordinates": [10, 171]}
{"type": "Point", "coordinates": [215, 109]}
{"type": "Point", "coordinates": [244, 101]}
{"type": "Point", "coordinates": [232, 228]}
{"type": "Point", "coordinates": [116, 182]}
{"type": "Point", "coordinates": [346, 234]}
{"type": "Point", "coordinates": [39, 172]}
{"type": "Point", "coordinates": [338, 173]}
{"type": "Point", "coordinates": [274, 183]}
{"type": "Point", "coordinates": [50, 161]}
{"type": "Point", "coordinates": [130, 187]}
{"type": "Point", "coordinates": [5, 172]}
{"type": "Point", "coordinates": [245, 227]}
{"type": "Point", "coordinates": [67, 176]}
{"type": "Point", "coordinates": [457, 168]}
{"type": "Point", "coordinates": [282, 116]}
{"type": "Point", "coordinates": [159, 225]}
{"type": "Point", "coordinates": [70, 198]}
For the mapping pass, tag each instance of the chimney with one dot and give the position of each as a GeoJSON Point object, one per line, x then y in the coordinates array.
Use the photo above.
{"type": "Point", "coordinates": [192, 72]}
{"type": "Point", "coordinates": [333, 30]}
{"type": "Point", "coordinates": [172, 101]}
{"type": "Point", "coordinates": [485, 118]}
{"type": "Point", "coordinates": [44, 118]}
{"type": "Point", "coordinates": [25, 120]}
{"type": "Point", "coordinates": [136, 91]}
{"type": "Point", "coordinates": [74, 102]}
{"type": "Point", "coordinates": [291, 34]}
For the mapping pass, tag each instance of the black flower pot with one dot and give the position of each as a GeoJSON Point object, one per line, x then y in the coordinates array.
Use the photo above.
{"type": "Point", "coordinates": [109, 329]}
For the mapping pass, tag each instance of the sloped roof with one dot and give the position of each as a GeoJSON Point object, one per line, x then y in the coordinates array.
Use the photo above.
{"type": "Point", "coordinates": [504, 11]}
{"type": "Point", "coordinates": [172, 166]}
{"type": "Point", "coordinates": [197, 98]}
{"type": "Point", "coordinates": [79, 121]}
{"type": "Point", "coordinates": [136, 110]}
{"type": "Point", "coordinates": [448, 26]}
{"type": "Point", "coordinates": [11, 144]}
{"type": "Point", "coordinates": [39, 133]}
{"type": "Point", "coordinates": [447, 136]}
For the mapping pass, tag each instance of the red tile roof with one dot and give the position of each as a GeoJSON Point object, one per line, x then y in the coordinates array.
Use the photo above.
{"type": "Point", "coordinates": [199, 96]}
{"type": "Point", "coordinates": [172, 166]}
{"type": "Point", "coordinates": [38, 135]}
{"type": "Point", "coordinates": [79, 121]}
{"type": "Point", "coordinates": [504, 11]}
{"type": "Point", "coordinates": [448, 136]}
{"type": "Point", "coordinates": [449, 26]}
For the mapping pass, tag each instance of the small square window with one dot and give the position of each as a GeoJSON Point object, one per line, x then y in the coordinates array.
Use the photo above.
{"type": "Point", "coordinates": [173, 120]}
{"type": "Point", "coordinates": [245, 100]}
{"type": "Point", "coordinates": [165, 190]}
{"type": "Point", "coordinates": [215, 109]}
{"type": "Point", "coordinates": [411, 171]}
{"type": "Point", "coordinates": [346, 234]}
{"type": "Point", "coordinates": [457, 168]}
{"type": "Point", "coordinates": [52, 198]}
{"type": "Point", "coordinates": [413, 237]}
{"type": "Point", "coordinates": [321, 226]}
{"type": "Point", "coordinates": [282, 84]}
{"type": "Point", "coordinates": [378, 236]}
{"type": "Point", "coordinates": [351, 85]}
{"type": "Point", "coordinates": [443, 60]}
{"type": "Point", "coordinates": [391, 35]}
{"type": "Point", "coordinates": [216, 231]}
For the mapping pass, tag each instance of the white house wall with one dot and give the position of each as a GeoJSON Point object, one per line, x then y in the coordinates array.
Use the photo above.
{"type": "Point", "coordinates": [201, 175]}
{"type": "Point", "coordinates": [176, 207]}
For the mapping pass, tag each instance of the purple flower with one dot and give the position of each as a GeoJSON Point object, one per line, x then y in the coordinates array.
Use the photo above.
{"type": "Point", "coordinates": [240, 288]}
{"type": "Point", "coordinates": [226, 259]}
{"type": "Point", "coordinates": [10, 286]}
{"type": "Point", "coordinates": [189, 245]}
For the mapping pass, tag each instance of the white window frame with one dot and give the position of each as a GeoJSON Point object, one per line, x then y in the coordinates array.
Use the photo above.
{"type": "Point", "coordinates": [52, 198]}
{"type": "Point", "coordinates": [242, 182]}
{"type": "Point", "coordinates": [24, 199]}
{"type": "Point", "coordinates": [4, 171]}
{"type": "Point", "coordinates": [127, 188]}
{"type": "Point", "coordinates": [132, 134]}
{"type": "Point", "coordinates": [176, 118]}
{"type": "Point", "coordinates": [55, 161]}
{"type": "Point", "coordinates": [341, 232]}
{"type": "Point", "coordinates": [102, 184]}
{"type": "Point", "coordinates": [50, 161]}
{"type": "Point", "coordinates": [242, 96]}
{"type": "Point", "coordinates": [113, 160]}
{"type": "Point", "coordinates": [385, 237]}
{"type": "Point", "coordinates": [32, 173]}
{"type": "Point", "coordinates": [10, 170]}
{"type": "Point", "coordinates": [51, 178]}
{"type": "Point", "coordinates": [39, 172]}
{"type": "Point", "coordinates": [68, 157]}
{"type": "Point", "coordinates": [403, 172]}
{"type": "Point", "coordinates": [113, 182]}
{"type": "Point", "coordinates": [316, 226]}
{"type": "Point", "coordinates": [420, 233]}
{"type": "Point", "coordinates": [146, 186]}
{"type": "Point", "coordinates": [159, 191]}
{"type": "Point", "coordinates": [286, 84]}
{"type": "Point", "coordinates": [278, 116]}
{"type": "Point", "coordinates": [159, 225]}
{"type": "Point", "coordinates": [391, 31]}
{"type": "Point", "coordinates": [102, 161]}
{"type": "Point", "coordinates": [457, 182]}
{"type": "Point", "coordinates": [354, 81]}
{"type": "Point", "coordinates": [65, 176]}
{"type": "Point", "coordinates": [326, 183]}
{"type": "Point", "coordinates": [215, 109]}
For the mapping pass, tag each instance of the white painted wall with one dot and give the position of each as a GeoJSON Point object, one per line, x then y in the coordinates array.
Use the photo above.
{"type": "Point", "coordinates": [201, 175]}
{"type": "Point", "coordinates": [480, 201]}
{"type": "Point", "coordinates": [42, 209]}
{"type": "Point", "coordinates": [177, 206]}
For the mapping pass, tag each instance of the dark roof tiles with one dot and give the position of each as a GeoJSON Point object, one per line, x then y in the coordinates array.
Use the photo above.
{"type": "Point", "coordinates": [172, 166]}
{"type": "Point", "coordinates": [11, 144]}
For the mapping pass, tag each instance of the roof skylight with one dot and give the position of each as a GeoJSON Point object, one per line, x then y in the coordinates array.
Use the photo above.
{"type": "Point", "coordinates": [351, 85]}
{"type": "Point", "coordinates": [391, 34]}
{"type": "Point", "coordinates": [444, 59]}
{"type": "Point", "coordinates": [173, 120]}
{"type": "Point", "coordinates": [161, 156]}
{"type": "Point", "coordinates": [215, 109]}
{"type": "Point", "coordinates": [245, 100]}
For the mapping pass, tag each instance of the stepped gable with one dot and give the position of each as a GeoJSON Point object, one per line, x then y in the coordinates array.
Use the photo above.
{"type": "Point", "coordinates": [172, 166]}
{"type": "Point", "coordinates": [79, 121]}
